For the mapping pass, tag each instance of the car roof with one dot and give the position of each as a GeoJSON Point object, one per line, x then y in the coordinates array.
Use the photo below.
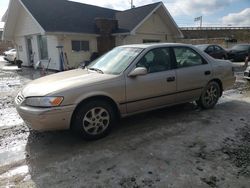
{"type": "Point", "coordinates": [155, 45]}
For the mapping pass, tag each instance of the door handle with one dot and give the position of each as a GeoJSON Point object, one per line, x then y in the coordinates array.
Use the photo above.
{"type": "Point", "coordinates": [171, 79]}
{"type": "Point", "coordinates": [207, 72]}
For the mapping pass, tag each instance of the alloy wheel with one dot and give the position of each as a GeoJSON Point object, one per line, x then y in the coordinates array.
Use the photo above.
{"type": "Point", "coordinates": [211, 95]}
{"type": "Point", "coordinates": [96, 121]}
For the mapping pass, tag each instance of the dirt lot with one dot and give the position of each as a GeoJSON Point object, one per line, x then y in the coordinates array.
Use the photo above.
{"type": "Point", "coordinates": [175, 147]}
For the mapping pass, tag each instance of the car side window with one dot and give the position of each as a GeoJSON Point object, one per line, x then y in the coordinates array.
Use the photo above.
{"type": "Point", "coordinates": [186, 57]}
{"type": "Point", "coordinates": [210, 49]}
{"type": "Point", "coordinates": [217, 48]}
{"type": "Point", "coordinates": [156, 60]}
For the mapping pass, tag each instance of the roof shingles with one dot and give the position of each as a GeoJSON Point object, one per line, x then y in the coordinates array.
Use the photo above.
{"type": "Point", "coordinates": [67, 16]}
{"type": "Point", "coordinates": [129, 19]}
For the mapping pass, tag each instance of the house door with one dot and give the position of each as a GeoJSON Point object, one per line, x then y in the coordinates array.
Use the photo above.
{"type": "Point", "coordinates": [30, 52]}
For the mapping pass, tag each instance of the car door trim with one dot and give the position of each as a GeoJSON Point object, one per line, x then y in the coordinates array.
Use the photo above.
{"type": "Point", "coordinates": [127, 102]}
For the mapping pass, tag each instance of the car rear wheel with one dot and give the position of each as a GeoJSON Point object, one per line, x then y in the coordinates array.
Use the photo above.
{"type": "Point", "coordinates": [210, 95]}
{"type": "Point", "coordinates": [93, 119]}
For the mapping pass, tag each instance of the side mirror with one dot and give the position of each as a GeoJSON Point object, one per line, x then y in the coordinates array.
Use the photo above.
{"type": "Point", "coordinates": [138, 71]}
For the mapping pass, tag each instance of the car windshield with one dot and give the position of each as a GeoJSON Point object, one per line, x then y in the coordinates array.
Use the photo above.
{"type": "Point", "coordinates": [240, 47]}
{"type": "Point", "coordinates": [116, 60]}
{"type": "Point", "coordinates": [201, 47]}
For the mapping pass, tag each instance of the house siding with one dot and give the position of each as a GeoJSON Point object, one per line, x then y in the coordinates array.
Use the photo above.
{"type": "Point", "coordinates": [75, 58]}
{"type": "Point", "coordinates": [26, 25]}
{"type": "Point", "coordinates": [52, 42]}
{"type": "Point", "coordinates": [154, 28]}
{"type": "Point", "coordinates": [20, 44]}
{"type": "Point", "coordinates": [154, 25]}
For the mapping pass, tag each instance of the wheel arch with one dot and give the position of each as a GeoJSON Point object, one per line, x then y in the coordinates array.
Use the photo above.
{"type": "Point", "coordinates": [217, 80]}
{"type": "Point", "coordinates": [97, 97]}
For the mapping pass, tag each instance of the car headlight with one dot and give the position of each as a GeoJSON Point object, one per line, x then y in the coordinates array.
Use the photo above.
{"type": "Point", "coordinates": [43, 101]}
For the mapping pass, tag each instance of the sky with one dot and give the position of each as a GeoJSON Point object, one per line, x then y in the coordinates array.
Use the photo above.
{"type": "Point", "coordinates": [214, 12]}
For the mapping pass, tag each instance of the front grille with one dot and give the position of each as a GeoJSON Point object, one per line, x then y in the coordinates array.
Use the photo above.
{"type": "Point", "coordinates": [19, 99]}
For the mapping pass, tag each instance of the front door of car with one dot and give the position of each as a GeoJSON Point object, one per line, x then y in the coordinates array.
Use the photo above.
{"type": "Point", "coordinates": [157, 87]}
{"type": "Point", "coordinates": [192, 72]}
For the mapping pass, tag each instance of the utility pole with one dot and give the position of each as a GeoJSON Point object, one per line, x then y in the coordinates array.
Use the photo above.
{"type": "Point", "coordinates": [132, 4]}
{"type": "Point", "coordinates": [201, 22]}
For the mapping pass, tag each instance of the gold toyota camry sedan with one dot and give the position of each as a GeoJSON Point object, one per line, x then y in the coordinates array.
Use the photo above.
{"type": "Point", "coordinates": [127, 80]}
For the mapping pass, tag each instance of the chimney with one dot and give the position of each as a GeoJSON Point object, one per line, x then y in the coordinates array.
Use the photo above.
{"type": "Point", "coordinates": [106, 26]}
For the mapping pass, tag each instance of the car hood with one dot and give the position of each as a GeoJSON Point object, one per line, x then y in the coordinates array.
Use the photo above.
{"type": "Point", "coordinates": [63, 81]}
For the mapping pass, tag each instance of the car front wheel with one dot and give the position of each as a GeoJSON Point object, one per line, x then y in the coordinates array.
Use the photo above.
{"type": "Point", "coordinates": [210, 95]}
{"type": "Point", "coordinates": [93, 119]}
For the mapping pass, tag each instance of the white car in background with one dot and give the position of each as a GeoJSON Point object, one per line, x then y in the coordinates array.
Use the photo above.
{"type": "Point", "coordinates": [10, 55]}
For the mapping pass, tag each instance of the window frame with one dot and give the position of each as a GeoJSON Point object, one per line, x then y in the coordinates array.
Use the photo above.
{"type": "Point", "coordinates": [81, 45]}
{"type": "Point", "coordinates": [172, 63]}
{"type": "Point", "coordinates": [40, 45]}
{"type": "Point", "coordinates": [210, 46]}
{"type": "Point", "coordinates": [204, 62]}
{"type": "Point", "coordinates": [219, 48]}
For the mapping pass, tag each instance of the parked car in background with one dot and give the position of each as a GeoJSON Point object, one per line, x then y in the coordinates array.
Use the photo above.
{"type": "Point", "coordinates": [239, 52]}
{"type": "Point", "coordinates": [247, 73]}
{"type": "Point", "coordinates": [10, 55]}
{"type": "Point", "coordinates": [213, 50]}
{"type": "Point", "coordinates": [127, 80]}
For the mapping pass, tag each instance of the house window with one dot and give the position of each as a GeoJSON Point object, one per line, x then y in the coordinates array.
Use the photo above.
{"type": "Point", "coordinates": [43, 47]}
{"type": "Point", "coordinates": [80, 45]}
{"type": "Point", "coordinates": [150, 41]}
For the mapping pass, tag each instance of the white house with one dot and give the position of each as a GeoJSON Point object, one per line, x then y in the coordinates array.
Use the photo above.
{"type": "Point", "coordinates": [38, 27]}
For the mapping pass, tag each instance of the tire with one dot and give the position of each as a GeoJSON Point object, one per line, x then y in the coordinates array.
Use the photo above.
{"type": "Point", "coordinates": [93, 120]}
{"type": "Point", "coordinates": [209, 96]}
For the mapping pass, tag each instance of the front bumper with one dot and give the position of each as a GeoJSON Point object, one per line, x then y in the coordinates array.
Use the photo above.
{"type": "Point", "coordinates": [9, 58]}
{"type": "Point", "coordinates": [45, 119]}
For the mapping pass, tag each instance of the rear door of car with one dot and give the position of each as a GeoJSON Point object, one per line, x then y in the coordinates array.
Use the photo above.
{"type": "Point", "coordinates": [192, 72]}
{"type": "Point", "coordinates": [155, 89]}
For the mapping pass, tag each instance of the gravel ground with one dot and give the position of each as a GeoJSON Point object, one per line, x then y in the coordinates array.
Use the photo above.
{"type": "Point", "coordinates": [180, 146]}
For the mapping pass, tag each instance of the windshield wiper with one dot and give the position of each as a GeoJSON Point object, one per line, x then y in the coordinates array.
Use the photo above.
{"type": "Point", "coordinates": [97, 70]}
